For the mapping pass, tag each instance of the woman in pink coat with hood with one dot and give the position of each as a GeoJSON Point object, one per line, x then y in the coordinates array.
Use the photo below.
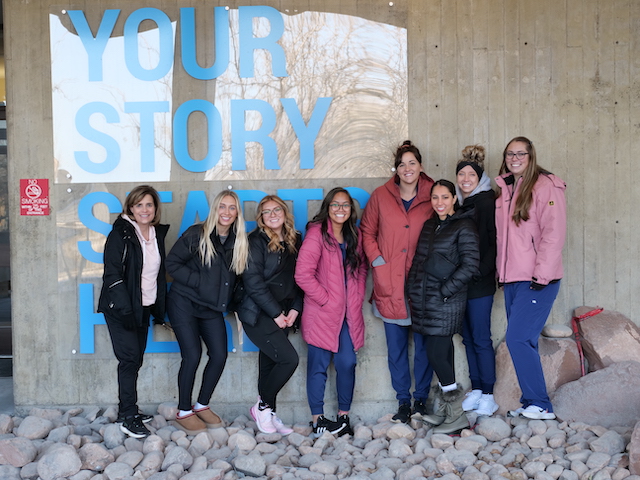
{"type": "Point", "coordinates": [332, 271]}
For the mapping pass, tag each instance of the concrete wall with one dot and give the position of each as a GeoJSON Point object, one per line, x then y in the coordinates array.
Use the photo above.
{"type": "Point", "coordinates": [565, 74]}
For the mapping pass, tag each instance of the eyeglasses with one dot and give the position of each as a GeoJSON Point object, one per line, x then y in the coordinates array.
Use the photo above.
{"type": "Point", "coordinates": [518, 155]}
{"type": "Point", "coordinates": [338, 206]}
{"type": "Point", "coordinates": [274, 211]}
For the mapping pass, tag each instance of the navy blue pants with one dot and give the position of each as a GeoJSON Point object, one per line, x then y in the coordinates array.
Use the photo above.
{"type": "Point", "coordinates": [344, 361]}
{"type": "Point", "coordinates": [476, 336]}
{"type": "Point", "coordinates": [398, 359]}
{"type": "Point", "coordinates": [527, 312]}
{"type": "Point", "coordinates": [193, 324]}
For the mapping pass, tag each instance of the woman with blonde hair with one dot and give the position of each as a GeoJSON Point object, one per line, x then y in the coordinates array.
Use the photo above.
{"type": "Point", "coordinates": [204, 264]}
{"type": "Point", "coordinates": [531, 222]}
{"type": "Point", "coordinates": [271, 305]}
{"type": "Point", "coordinates": [474, 192]}
{"type": "Point", "coordinates": [134, 288]}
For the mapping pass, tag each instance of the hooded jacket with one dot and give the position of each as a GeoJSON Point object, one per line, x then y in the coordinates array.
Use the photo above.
{"type": "Point", "coordinates": [438, 302]}
{"type": "Point", "coordinates": [533, 249]}
{"type": "Point", "coordinates": [389, 231]}
{"type": "Point", "coordinates": [121, 292]}
{"type": "Point", "coordinates": [482, 201]}
{"type": "Point", "coordinates": [328, 298]}
{"type": "Point", "coordinates": [210, 286]}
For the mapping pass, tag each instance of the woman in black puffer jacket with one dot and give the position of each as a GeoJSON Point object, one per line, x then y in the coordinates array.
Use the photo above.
{"type": "Point", "coordinates": [446, 259]}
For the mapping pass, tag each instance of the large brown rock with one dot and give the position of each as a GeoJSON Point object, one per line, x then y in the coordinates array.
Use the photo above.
{"type": "Point", "coordinates": [560, 363]}
{"type": "Point", "coordinates": [634, 451]}
{"type": "Point", "coordinates": [608, 397]}
{"type": "Point", "coordinates": [608, 338]}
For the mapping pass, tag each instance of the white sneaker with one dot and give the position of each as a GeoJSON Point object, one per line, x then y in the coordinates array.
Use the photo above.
{"type": "Point", "coordinates": [471, 400]}
{"type": "Point", "coordinates": [280, 426]}
{"type": "Point", "coordinates": [537, 413]}
{"type": "Point", "coordinates": [487, 405]}
{"type": "Point", "coordinates": [515, 413]}
{"type": "Point", "coordinates": [263, 418]}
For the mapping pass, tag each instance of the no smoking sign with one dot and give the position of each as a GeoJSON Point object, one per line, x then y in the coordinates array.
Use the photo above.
{"type": "Point", "coordinates": [34, 196]}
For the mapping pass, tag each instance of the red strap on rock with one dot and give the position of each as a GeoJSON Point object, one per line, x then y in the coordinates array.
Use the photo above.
{"type": "Point", "coordinates": [574, 325]}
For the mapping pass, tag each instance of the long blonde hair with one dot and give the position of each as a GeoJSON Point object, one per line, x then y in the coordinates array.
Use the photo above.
{"type": "Point", "coordinates": [241, 246]}
{"type": "Point", "coordinates": [288, 228]}
{"type": "Point", "coordinates": [529, 179]}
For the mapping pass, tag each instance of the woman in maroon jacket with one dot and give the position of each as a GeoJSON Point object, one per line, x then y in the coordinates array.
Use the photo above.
{"type": "Point", "coordinates": [391, 224]}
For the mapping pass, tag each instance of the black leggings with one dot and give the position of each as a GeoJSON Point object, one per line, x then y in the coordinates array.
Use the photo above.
{"type": "Point", "coordinates": [277, 360]}
{"type": "Point", "coordinates": [192, 323]}
{"type": "Point", "coordinates": [440, 355]}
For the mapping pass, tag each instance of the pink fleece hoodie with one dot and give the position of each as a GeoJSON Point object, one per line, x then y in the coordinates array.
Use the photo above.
{"type": "Point", "coordinates": [534, 248]}
{"type": "Point", "coordinates": [327, 300]}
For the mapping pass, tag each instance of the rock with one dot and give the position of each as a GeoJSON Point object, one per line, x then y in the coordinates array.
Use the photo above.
{"type": "Point", "coordinates": [118, 471]}
{"type": "Point", "coordinates": [324, 467]}
{"type": "Point", "coordinates": [212, 474]}
{"type": "Point", "coordinates": [34, 427]}
{"type": "Point", "coordinates": [6, 424]}
{"type": "Point", "coordinates": [601, 397]}
{"type": "Point", "coordinates": [557, 331]}
{"type": "Point", "coordinates": [560, 363]}
{"type": "Point", "coordinates": [252, 465]}
{"type": "Point", "coordinates": [113, 436]}
{"type": "Point", "coordinates": [132, 458]}
{"type": "Point", "coordinates": [17, 451]}
{"type": "Point", "coordinates": [59, 461]}
{"type": "Point", "coordinates": [441, 441]}
{"type": "Point", "coordinates": [9, 472]}
{"type": "Point", "coordinates": [608, 338]}
{"type": "Point", "coordinates": [153, 443]}
{"type": "Point", "coordinates": [401, 430]}
{"type": "Point", "coordinates": [634, 451]}
{"type": "Point", "coordinates": [60, 434]}
{"type": "Point", "coordinates": [168, 410]}
{"type": "Point", "coordinates": [151, 463]}
{"type": "Point", "coordinates": [177, 456]}
{"type": "Point", "coordinates": [598, 460]}
{"type": "Point", "coordinates": [243, 441]}
{"type": "Point", "coordinates": [493, 429]}
{"type": "Point", "coordinates": [200, 444]}
{"type": "Point", "coordinates": [95, 457]}
{"type": "Point", "coordinates": [611, 443]}
{"type": "Point", "coordinates": [399, 449]}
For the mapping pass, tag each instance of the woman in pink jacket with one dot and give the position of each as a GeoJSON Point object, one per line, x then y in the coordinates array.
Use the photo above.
{"type": "Point", "coordinates": [332, 271]}
{"type": "Point", "coordinates": [531, 223]}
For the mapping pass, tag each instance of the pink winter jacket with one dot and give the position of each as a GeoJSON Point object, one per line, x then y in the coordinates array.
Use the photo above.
{"type": "Point", "coordinates": [534, 248]}
{"type": "Point", "coordinates": [320, 273]}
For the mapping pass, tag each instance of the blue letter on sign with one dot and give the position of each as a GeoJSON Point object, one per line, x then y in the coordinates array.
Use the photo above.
{"type": "Point", "coordinates": [94, 46]}
{"type": "Point", "coordinates": [188, 39]}
{"type": "Point", "coordinates": [249, 43]}
{"type": "Point", "coordinates": [240, 136]}
{"type": "Point", "coordinates": [84, 128]}
{"type": "Point", "coordinates": [147, 129]}
{"type": "Point", "coordinates": [181, 134]}
{"type": "Point", "coordinates": [165, 30]}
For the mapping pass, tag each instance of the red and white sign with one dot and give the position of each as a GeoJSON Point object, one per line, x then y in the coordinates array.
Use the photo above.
{"type": "Point", "coordinates": [34, 196]}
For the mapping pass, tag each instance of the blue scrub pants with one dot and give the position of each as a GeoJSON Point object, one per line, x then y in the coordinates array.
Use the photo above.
{"type": "Point", "coordinates": [398, 359]}
{"type": "Point", "coordinates": [527, 312]}
{"type": "Point", "coordinates": [476, 336]}
{"type": "Point", "coordinates": [344, 361]}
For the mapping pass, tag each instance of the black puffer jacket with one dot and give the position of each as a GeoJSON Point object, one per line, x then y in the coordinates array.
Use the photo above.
{"type": "Point", "coordinates": [438, 305]}
{"type": "Point", "coordinates": [211, 286]}
{"type": "Point", "coordinates": [262, 278]}
{"type": "Point", "coordinates": [484, 205]}
{"type": "Point", "coordinates": [121, 293]}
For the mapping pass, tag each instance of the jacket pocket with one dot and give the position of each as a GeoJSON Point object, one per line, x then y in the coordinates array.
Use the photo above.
{"type": "Point", "coordinates": [382, 284]}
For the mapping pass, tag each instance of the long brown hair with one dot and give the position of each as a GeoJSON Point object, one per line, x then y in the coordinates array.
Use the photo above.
{"type": "Point", "coordinates": [288, 228]}
{"type": "Point", "coordinates": [529, 179]}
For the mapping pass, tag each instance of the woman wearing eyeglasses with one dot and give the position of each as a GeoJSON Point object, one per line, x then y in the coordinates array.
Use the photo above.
{"type": "Point", "coordinates": [391, 224]}
{"type": "Point", "coordinates": [332, 271]}
{"type": "Point", "coordinates": [271, 306]}
{"type": "Point", "coordinates": [531, 227]}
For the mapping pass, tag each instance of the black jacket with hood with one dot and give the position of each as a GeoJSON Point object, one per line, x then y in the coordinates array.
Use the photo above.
{"type": "Point", "coordinates": [211, 286]}
{"type": "Point", "coordinates": [121, 293]}
{"type": "Point", "coordinates": [440, 273]}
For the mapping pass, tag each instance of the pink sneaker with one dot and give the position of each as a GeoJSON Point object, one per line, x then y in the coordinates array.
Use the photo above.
{"type": "Point", "coordinates": [280, 427]}
{"type": "Point", "coordinates": [263, 418]}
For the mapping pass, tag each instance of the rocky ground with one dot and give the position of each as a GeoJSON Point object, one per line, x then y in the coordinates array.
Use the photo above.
{"type": "Point", "coordinates": [50, 444]}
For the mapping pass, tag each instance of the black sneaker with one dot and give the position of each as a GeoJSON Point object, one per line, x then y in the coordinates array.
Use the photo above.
{"type": "Point", "coordinates": [326, 425]}
{"type": "Point", "coordinates": [145, 418]}
{"type": "Point", "coordinates": [419, 409]}
{"type": "Point", "coordinates": [403, 415]}
{"type": "Point", "coordinates": [134, 427]}
{"type": "Point", "coordinates": [344, 420]}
